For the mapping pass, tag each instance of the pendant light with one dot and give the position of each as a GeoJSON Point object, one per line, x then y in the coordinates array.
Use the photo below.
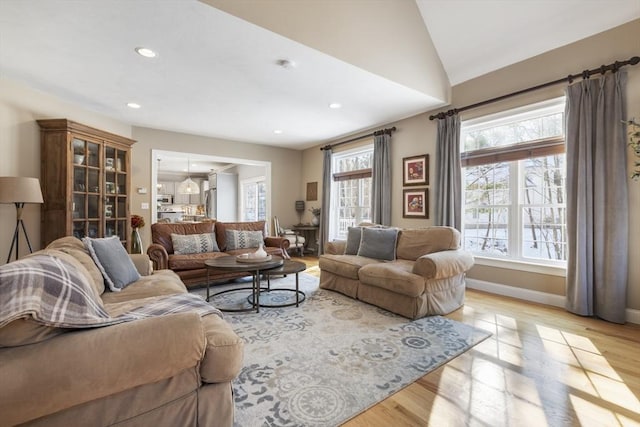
{"type": "Point", "coordinates": [188, 186]}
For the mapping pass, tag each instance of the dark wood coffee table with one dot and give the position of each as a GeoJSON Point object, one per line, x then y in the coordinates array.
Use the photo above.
{"type": "Point", "coordinates": [230, 263]}
{"type": "Point", "coordinates": [287, 267]}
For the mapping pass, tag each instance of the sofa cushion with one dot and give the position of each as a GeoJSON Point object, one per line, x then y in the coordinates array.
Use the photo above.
{"type": "Point", "coordinates": [74, 247]}
{"type": "Point", "coordinates": [378, 243]}
{"type": "Point", "coordinates": [113, 261]}
{"type": "Point", "coordinates": [194, 243]}
{"type": "Point", "coordinates": [242, 239]}
{"type": "Point", "coordinates": [161, 232]}
{"type": "Point", "coordinates": [26, 331]}
{"type": "Point", "coordinates": [222, 227]}
{"type": "Point", "coordinates": [395, 276]}
{"type": "Point", "coordinates": [354, 234]}
{"type": "Point", "coordinates": [415, 242]}
{"type": "Point", "coordinates": [161, 282]}
{"type": "Point", "coordinates": [344, 265]}
{"type": "Point", "coordinates": [191, 261]}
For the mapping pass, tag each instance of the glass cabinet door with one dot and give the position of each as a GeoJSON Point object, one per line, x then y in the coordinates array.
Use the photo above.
{"type": "Point", "coordinates": [115, 172]}
{"type": "Point", "coordinates": [86, 186]}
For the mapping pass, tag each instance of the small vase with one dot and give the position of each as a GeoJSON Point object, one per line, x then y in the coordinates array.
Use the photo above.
{"type": "Point", "coordinates": [260, 253]}
{"type": "Point", "coordinates": [315, 221]}
{"type": "Point", "coordinates": [136, 242]}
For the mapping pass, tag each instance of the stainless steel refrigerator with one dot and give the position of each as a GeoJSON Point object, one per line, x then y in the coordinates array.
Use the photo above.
{"type": "Point", "coordinates": [210, 203]}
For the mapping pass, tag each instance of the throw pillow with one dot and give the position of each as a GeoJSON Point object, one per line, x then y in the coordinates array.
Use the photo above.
{"type": "Point", "coordinates": [113, 261]}
{"type": "Point", "coordinates": [354, 234]}
{"type": "Point", "coordinates": [378, 243]}
{"type": "Point", "coordinates": [184, 244]}
{"type": "Point", "coordinates": [242, 239]}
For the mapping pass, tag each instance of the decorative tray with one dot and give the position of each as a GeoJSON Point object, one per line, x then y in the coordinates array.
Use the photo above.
{"type": "Point", "coordinates": [246, 258]}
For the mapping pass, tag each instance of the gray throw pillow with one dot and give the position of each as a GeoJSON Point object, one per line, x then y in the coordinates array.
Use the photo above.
{"type": "Point", "coordinates": [354, 235]}
{"type": "Point", "coordinates": [113, 261]}
{"type": "Point", "coordinates": [184, 244]}
{"type": "Point", "coordinates": [242, 239]}
{"type": "Point", "coordinates": [378, 243]}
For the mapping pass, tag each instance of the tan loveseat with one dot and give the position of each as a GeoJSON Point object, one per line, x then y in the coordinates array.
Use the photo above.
{"type": "Point", "coordinates": [426, 277]}
{"type": "Point", "coordinates": [172, 370]}
{"type": "Point", "coordinates": [190, 267]}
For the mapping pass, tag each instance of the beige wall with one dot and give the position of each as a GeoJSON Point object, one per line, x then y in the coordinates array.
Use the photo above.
{"type": "Point", "coordinates": [286, 167]}
{"type": "Point", "coordinates": [20, 107]}
{"type": "Point", "coordinates": [417, 135]}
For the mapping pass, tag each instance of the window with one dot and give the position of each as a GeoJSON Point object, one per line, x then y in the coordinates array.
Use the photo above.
{"type": "Point", "coordinates": [254, 199]}
{"type": "Point", "coordinates": [514, 170]}
{"type": "Point", "coordinates": [350, 191]}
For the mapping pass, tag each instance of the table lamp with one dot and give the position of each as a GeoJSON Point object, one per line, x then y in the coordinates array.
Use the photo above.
{"type": "Point", "coordinates": [19, 190]}
{"type": "Point", "coordinates": [300, 210]}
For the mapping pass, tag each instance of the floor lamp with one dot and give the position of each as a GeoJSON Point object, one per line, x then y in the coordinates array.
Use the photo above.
{"type": "Point", "coordinates": [19, 190]}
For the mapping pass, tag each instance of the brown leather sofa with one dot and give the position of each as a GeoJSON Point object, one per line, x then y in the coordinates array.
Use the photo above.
{"type": "Point", "coordinates": [191, 268]}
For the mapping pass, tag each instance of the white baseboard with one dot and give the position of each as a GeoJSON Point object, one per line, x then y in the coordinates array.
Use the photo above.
{"type": "Point", "coordinates": [632, 315]}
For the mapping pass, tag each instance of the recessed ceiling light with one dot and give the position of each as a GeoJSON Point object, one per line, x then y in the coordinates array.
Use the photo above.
{"type": "Point", "coordinates": [335, 105]}
{"type": "Point", "coordinates": [277, 131]}
{"type": "Point", "coordinates": [287, 64]}
{"type": "Point", "coordinates": [133, 105]}
{"type": "Point", "coordinates": [146, 52]}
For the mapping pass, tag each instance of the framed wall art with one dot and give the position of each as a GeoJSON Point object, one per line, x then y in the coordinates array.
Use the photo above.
{"type": "Point", "coordinates": [415, 203]}
{"type": "Point", "coordinates": [415, 170]}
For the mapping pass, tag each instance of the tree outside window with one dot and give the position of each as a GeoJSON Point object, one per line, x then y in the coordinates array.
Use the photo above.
{"type": "Point", "coordinates": [254, 199]}
{"type": "Point", "coordinates": [514, 170]}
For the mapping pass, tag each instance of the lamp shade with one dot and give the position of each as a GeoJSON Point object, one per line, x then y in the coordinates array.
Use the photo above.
{"type": "Point", "coordinates": [15, 189]}
{"type": "Point", "coordinates": [300, 205]}
{"type": "Point", "coordinates": [188, 186]}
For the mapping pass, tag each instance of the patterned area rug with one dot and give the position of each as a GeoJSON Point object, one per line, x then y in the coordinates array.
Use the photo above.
{"type": "Point", "coordinates": [332, 357]}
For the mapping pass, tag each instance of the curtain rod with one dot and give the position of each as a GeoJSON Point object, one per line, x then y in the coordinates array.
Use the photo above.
{"type": "Point", "coordinates": [376, 133]}
{"type": "Point", "coordinates": [585, 75]}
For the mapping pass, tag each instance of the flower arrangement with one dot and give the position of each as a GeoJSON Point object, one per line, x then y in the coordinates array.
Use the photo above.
{"type": "Point", "coordinates": [315, 211]}
{"type": "Point", "coordinates": [137, 221]}
{"type": "Point", "coordinates": [634, 143]}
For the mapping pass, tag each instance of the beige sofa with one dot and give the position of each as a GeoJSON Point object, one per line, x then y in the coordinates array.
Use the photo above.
{"type": "Point", "coordinates": [426, 277]}
{"type": "Point", "coordinates": [172, 370]}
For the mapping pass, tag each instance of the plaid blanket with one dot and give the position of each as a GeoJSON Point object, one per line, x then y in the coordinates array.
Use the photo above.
{"type": "Point", "coordinates": [54, 292]}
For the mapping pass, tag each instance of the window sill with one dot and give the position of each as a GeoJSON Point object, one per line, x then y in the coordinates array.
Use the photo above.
{"type": "Point", "coordinates": [551, 270]}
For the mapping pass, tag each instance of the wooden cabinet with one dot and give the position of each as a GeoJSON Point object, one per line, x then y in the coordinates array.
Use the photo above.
{"type": "Point", "coordinates": [85, 178]}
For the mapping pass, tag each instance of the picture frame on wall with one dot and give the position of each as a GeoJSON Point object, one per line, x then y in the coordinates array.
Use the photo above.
{"type": "Point", "coordinates": [415, 170]}
{"type": "Point", "coordinates": [415, 203]}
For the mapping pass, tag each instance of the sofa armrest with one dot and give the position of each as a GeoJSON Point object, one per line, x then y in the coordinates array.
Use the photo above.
{"type": "Point", "coordinates": [335, 247]}
{"type": "Point", "coordinates": [81, 366]}
{"type": "Point", "coordinates": [143, 263]}
{"type": "Point", "coordinates": [159, 256]}
{"type": "Point", "coordinates": [443, 264]}
{"type": "Point", "coordinates": [277, 242]}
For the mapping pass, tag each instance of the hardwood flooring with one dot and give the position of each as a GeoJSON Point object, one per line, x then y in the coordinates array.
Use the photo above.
{"type": "Point", "coordinates": [541, 367]}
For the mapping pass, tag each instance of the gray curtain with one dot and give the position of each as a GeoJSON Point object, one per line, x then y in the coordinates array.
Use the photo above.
{"type": "Point", "coordinates": [326, 199]}
{"type": "Point", "coordinates": [597, 204]}
{"type": "Point", "coordinates": [381, 180]}
{"type": "Point", "coordinates": [448, 197]}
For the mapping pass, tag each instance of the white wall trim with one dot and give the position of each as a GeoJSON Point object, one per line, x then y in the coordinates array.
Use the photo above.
{"type": "Point", "coordinates": [632, 315]}
{"type": "Point", "coordinates": [510, 291]}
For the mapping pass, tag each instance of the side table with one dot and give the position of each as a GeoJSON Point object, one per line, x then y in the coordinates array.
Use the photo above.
{"type": "Point", "coordinates": [229, 263]}
{"type": "Point", "coordinates": [310, 234]}
{"type": "Point", "coordinates": [287, 267]}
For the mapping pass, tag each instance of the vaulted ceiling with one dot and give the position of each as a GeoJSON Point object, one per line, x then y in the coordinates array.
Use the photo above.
{"type": "Point", "coordinates": [246, 69]}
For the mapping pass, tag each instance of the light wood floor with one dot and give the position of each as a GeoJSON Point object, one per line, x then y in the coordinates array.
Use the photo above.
{"type": "Point", "coordinates": [541, 367]}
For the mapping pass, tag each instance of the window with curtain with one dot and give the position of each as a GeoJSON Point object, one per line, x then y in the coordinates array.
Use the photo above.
{"type": "Point", "coordinates": [513, 178]}
{"type": "Point", "coordinates": [351, 190]}
{"type": "Point", "coordinates": [254, 199]}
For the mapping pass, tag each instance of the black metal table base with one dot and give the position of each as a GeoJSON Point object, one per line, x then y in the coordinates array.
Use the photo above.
{"type": "Point", "coordinates": [289, 304]}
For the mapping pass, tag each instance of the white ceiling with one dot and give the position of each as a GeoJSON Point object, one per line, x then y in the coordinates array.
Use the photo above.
{"type": "Point", "coordinates": [217, 75]}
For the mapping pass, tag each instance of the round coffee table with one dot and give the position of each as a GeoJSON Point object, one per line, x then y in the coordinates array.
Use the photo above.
{"type": "Point", "coordinates": [287, 267]}
{"type": "Point", "coordinates": [230, 263]}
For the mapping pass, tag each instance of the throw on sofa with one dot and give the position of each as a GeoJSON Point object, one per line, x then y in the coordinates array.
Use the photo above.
{"type": "Point", "coordinates": [214, 239]}
{"type": "Point", "coordinates": [167, 370]}
{"type": "Point", "coordinates": [411, 272]}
